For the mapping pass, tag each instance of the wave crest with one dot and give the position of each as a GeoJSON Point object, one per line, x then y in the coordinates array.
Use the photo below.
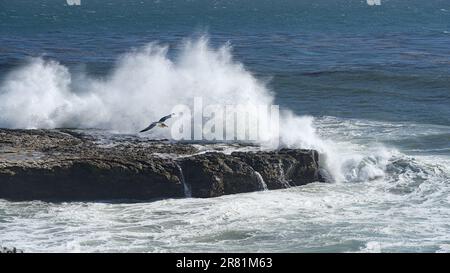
{"type": "Point", "coordinates": [146, 84]}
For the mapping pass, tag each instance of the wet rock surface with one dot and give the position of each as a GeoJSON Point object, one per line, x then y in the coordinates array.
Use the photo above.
{"type": "Point", "coordinates": [69, 165]}
{"type": "Point", "coordinates": [4, 250]}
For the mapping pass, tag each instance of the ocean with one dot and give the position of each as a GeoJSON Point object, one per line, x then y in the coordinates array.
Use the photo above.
{"type": "Point", "coordinates": [368, 86]}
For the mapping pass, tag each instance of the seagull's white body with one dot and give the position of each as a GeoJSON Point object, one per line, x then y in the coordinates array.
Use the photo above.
{"type": "Point", "coordinates": [160, 123]}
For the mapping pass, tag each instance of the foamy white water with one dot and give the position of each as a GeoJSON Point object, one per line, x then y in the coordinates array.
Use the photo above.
{"type": "Point", "coordinates": [404, 210]}
{"type": "Point", "coordinates": [387, 195]}
{"type": "Point", "coordinates": [316, 217]}
{"type": "Point", "coordinates": [145, 85]}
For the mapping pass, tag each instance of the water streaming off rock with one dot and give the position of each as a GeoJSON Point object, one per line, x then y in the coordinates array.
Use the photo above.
{"type": "Point", "coordinates": [261, 181]}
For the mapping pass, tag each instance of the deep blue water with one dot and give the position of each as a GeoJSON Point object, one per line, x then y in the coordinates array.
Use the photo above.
{"type": "Point", "coordinates": [334, 58]}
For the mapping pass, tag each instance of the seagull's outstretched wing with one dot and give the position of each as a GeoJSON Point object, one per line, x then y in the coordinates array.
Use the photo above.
{"type": "Point", "coordinates": [149, 127]}
{"type": "Point", "coordinates": [166, 117]}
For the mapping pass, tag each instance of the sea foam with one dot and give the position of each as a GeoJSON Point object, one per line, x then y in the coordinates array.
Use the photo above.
{"type": "Point", "coordinates": [146, 84]}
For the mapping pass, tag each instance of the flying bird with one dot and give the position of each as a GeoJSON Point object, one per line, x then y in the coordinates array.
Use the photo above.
{"type": "Point", "coordinates": [159, 123]}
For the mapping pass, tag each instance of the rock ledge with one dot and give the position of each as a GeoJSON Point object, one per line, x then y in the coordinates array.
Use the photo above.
{"type": "Point", "coordinates": [68, 165]}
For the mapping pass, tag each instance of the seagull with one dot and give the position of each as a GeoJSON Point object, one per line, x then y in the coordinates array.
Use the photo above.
{"type": "Point", "coordinates": [159, 123]}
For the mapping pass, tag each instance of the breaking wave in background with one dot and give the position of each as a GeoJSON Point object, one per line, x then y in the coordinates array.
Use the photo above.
{"type": "Point", "coordinates": [146, 84]}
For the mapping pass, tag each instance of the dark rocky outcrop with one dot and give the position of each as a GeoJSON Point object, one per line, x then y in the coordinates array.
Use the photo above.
{"type": "Point", "coordinates": [9, 250]}
{"type": "Point", "coordinates": [215, 174]}
{"type": "Point", "coordinates": [66, 165]}
{"type": "Point", "coordinates": [284, 168]}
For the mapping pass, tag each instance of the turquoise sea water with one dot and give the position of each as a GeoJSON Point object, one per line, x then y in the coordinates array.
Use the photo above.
{"type": "Point", "coordinates": [375, 79]}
